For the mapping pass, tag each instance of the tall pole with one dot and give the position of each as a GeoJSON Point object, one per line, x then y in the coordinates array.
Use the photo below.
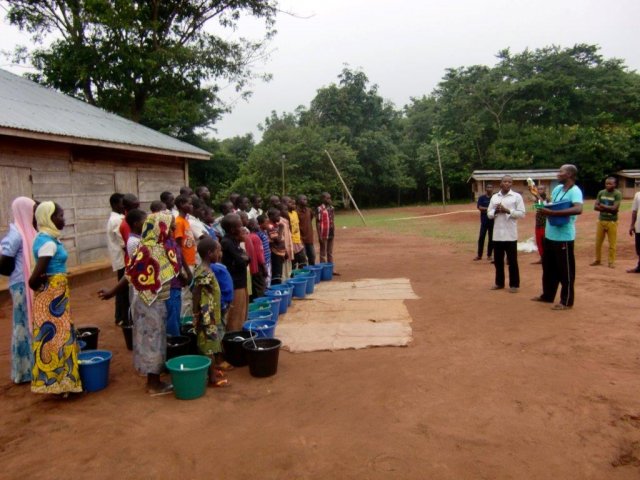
{"type": "Point", "coordinates": [441, 175]}
{"type": "Point", "coordinates": [345, 187]}
{"type": "Point", "coordinates": [284, 157]}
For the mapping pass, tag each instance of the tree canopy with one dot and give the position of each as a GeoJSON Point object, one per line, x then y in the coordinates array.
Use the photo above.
{"type": "Point", "coordinates": [157, 62]}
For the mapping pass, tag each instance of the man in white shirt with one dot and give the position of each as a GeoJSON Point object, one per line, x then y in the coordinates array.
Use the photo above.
{"type": "Point", "coordinates": [256, 203]}
{"type": "Point", "coordinates": [634, 229]}
{"type": "Point", "coordinates": [505, 208]}
{"type": "Point", "coordinates": [115, 246]}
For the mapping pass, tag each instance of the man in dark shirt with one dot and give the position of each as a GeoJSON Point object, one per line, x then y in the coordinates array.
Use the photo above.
{"type": "Point", "coordinates": [486, 224]}
{"type": "Point", "coordinates": [236, 261]}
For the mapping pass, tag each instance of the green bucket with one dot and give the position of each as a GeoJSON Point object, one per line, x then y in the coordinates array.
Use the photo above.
{"type": "Point", "coordinates": [299, 271]}
{"type": "Point", "coordinates": [189, 375]}
{"type": "Point", "coordinates": [253, 307]}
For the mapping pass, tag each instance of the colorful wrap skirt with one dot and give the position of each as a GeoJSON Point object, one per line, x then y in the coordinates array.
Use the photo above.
{"type": "Point", "coordinates": [55, 350]}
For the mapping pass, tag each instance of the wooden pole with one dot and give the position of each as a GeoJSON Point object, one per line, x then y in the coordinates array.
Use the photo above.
{"type": "Point", "coordinates": [441, 175]}
{"type": "Point", "coordinates": [346, 188]}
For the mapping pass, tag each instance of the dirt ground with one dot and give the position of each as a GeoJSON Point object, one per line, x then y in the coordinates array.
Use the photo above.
{"type": "Point", "coordinates": [492, 386]}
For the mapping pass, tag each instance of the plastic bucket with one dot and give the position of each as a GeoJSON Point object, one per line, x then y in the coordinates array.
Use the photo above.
{"type": "Point", "coordinates": [261, 315]}
{"type": "Point", "coordinates": [82, 345]}
{"type": "Point", "coordinates": [187, 330]}
{"type": "Point", "coordinates": [299, 287]}
{"type": "Point", "coordinates": [232, 347]}
{"type": "Point", "coordinates": [94, 369]}
{"type": "Point", "coordinates": [287, 289]}
{"type": "Point", "coordinates": [90, 336]}
{"type": "Point", "coordinates": [263, 328]}
{"type": "Point", "coordinates": [263, 356]}
{"type": "Point", "coordinates": [189, 375]}
{"type": "Point", "coordinates": [178, 346]}
{"type": "Point", "coordinates": [254, 307]}
{"type": "Point", "coordinates": [317, 271]}
{"type": "Point", "coordinates": [282, 294]}
{"type": "Point", "coordinates": [327, 271]}
{"type": "Point", "coordinates": [274, 305]}
{"type": "Point", "coordinates": [260, 300]}
{"type": "Point", "coordinates": [127, 332]}
{"type": "Point", "coordinates": [559, 221]}
{"type": "Point", "coordinates": [310, 277]}
{"type": "Point", "coordinates": [299, 271]}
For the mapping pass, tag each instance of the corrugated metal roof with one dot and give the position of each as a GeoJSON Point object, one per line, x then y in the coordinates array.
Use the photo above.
{"type": "Point", "coordinates": [540, 174]}
{"type": "Point", "coordinates": [629, 173]}
{"type": "Point", "coordinates": [27, 106]}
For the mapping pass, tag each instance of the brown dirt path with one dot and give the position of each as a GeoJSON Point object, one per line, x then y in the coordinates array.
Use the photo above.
{"type": "Point", "coordinates": [493, 386]}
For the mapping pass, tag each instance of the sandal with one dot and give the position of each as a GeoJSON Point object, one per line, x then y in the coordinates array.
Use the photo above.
{"type": "Point", "coordinates": [224, 366]}
{"type": "Point", "coordinates": [560, 306]}
{"type": "Point", "coordinates": [540, 299]}
{"type": "Point", "coordinates": [160, 390]}
{"type": "Point", "coordinates": [220, 383]}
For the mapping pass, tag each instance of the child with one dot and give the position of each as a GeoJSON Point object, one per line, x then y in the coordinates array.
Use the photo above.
{"type": "Point", "coordinates": [135, 219]}
{"type": "Point", "coordinates": [157, 206]}
{"type": "Point", "coordinates": [275, 231]}
{"type": "Point", "coordinates": [207, 312]}
{"type": "Point", "coordinates": [116, 247]}
{"type": "Point", "coordinates": [256, 207]}
{"type": "Point", "coordinates": [195, 218]}
{"type": "Point", "coordinates": [236, 260]}
{"type": "Point", "coordinates": [247, 246]}
{"type": "Point", "coordinates": [257, 266]}
{"type": "Point", "coordinates": [305, 215]}
{"type": "Point", "coordinates": [263, 223]}
{"type": "Point", "coordinates": [325, 227]}
{"type": "Point", "coordinates": [299, 257]}
{"type": "Point", "coordinates": [288, 241]}
{"type": "Point", "coordinates": [174, 302]}
{"type": "Point", "coordinates": [226, 286]}
{"type": "Point", "coordinates": [154, 255]}
{"type": "Point", "coordinates": [186, 242]}
{"type": "Point", "coordinates": [210, 224]}
{"type": "Point", "coordinates": [170, 202]}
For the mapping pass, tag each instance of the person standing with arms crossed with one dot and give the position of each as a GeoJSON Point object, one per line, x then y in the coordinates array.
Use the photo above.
{"type": "Point", "coordinates": [558, 259]}
{"type": "Point", "coordinates": [506, 207]}
{"type": "Point", "coordinates": [608, 204]}
{"type": "Point", "coordinates": [486, 224]}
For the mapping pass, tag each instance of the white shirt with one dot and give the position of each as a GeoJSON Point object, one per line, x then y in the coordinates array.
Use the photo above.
{"type": "Point", "coordinates": [115, 242]}
{"type": "Point", "coordinates": [505, 226]}
{"type": "Point", "coordinates": [636, 207]}
{"type": "Point", "coordinates": [197, 227]}
{"type": "Point", "coordinates": [253, 214]}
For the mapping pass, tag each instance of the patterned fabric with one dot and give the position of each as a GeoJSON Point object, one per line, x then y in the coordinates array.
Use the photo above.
{"type": "Point", "coordinates": [55, 351]}
{"type": "Point", "coordinates": [209, 323]}
{"type": "Point", "coordinates": [21, 353]}
{"type": "Point", "coordinates": [149, 336]}
{"type": "Point", "coordinates": [155, 262]}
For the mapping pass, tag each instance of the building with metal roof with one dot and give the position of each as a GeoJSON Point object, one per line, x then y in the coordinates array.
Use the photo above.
{"type": "Point", "coordinates": [546, 177]}
{"type": "Point", "coordinates": [628, 182]}
{"type": "Point", "coordinates": [55, 147]}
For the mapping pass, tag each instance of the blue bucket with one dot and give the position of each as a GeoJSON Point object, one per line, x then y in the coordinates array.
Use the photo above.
{"type": "Point", "coordinates": [311, 282]}
{"type": "Point", "coordinates": [299, 287]}
{"type": "Point", "coordinates": [82, 345]}
{"type": "Point", "coordinates": [282, 295]}
{"type": "Point", "coordinates": [263, 328]}
{"type": "Point", "coordinates": [559, 221]}
{"type": "Point", "coordinates": [327, 271]}
{"type": "Point", "coordinates": [260, 300]}
{"type": "Point", "coordinates": [94, 369]}
{"type": "Point", "coordinates": [274, 303]}
{"type": "Point", "coordinates": [261, 315]}
{"type": "Point", "coordinates": [317, 271]}
{"type": "Point", "coordinates": [286, 288]}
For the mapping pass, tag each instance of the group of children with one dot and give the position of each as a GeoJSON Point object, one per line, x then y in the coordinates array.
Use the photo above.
{"type": "Point", "coordinates": [186, 267]}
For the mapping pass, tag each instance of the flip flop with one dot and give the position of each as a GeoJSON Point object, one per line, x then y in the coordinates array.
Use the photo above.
{"type": "Point", "coordinates": [559, 306]}
{"type": "Point", "coordinates": [224, 366]}
{"type": "Point", "coordinates": [167, 389]}
{"type": "Point", "coordinates": [220, 383]}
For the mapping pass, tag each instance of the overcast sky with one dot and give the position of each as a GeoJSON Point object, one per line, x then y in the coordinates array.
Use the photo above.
{"type": "Point", "coordinates": [404, 46]}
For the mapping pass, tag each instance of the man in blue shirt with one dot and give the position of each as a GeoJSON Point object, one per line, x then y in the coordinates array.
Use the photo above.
{"type": "Point", "coordinates": [558, 260]}
{"type": "Point", "coordinates": [486, 223]}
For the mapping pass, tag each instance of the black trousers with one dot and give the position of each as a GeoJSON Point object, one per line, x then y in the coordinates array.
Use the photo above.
{"type": "Point", "coordinates": [276, 269]}
{"type": "Point", "coordinates": [486, 227]}
{"type": "Point", "coordinates": [122, 303]}
{"type": "Point", "coordinates": [311, 253]}
{"type": "Point", "coordinates": [300, 259]}
{"type": "Point", "coordinates": [511, 249]}
{"type": "Point", "coordinates": [258, 286]}
{"type": "Point", "coordinates": [638, 250]}
{"type": "Point", "coordinates": [558, 268]}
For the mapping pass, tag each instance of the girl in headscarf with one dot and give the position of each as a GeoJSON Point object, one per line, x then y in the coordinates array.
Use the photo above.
{"type": "Point", "coordinates": [16, 262]}
{"type": "Point", "coordinates": [150, 271]}
{"type": "Point", "coordinates": [55, 350]}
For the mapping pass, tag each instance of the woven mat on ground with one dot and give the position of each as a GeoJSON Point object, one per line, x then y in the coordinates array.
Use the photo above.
{"type": "Point", "coordinates": [344, 315]}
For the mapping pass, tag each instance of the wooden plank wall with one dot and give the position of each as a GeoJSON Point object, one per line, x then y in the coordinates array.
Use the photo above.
{"type": "Point", "coordinates": [81, 179]}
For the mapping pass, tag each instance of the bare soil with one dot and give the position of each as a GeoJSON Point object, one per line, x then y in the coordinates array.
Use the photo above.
{"type": "Point", "coordinates": [492, 386]}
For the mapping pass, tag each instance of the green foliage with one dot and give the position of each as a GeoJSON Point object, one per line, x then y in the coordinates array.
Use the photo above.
{"type": "Point", "coordinates": [148, 60]}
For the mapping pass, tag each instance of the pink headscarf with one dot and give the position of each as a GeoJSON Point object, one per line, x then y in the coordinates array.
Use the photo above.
{"type": "Point", "coordinates": [22, 209]}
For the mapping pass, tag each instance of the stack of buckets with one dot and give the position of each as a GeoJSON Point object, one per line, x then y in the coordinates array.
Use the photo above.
{"type": "Point", "coordinates": [255, 345]}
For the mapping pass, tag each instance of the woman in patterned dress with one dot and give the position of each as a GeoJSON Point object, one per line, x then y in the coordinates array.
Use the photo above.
{"type": "Point", "coordinates": [55, 350]}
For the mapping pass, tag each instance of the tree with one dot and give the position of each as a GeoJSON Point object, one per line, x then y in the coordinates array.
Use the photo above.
{"type": "Point", "coordinates": [153, 61]}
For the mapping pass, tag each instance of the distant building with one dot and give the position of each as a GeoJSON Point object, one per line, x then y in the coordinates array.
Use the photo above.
{"type": "Point", "coordinates": [55, 147]}
{"type": "Point", "coordinates": [628, 182]}
{"type": "Point", "coordinates": [546, 177]}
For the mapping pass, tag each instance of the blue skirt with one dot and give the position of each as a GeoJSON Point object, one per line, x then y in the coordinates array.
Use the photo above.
{"type": "Point", "coordinates": [21, 353]}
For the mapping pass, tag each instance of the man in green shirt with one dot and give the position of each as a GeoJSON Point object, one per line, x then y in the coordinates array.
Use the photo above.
{"type": "Point", "coordinates": [608, 204]}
